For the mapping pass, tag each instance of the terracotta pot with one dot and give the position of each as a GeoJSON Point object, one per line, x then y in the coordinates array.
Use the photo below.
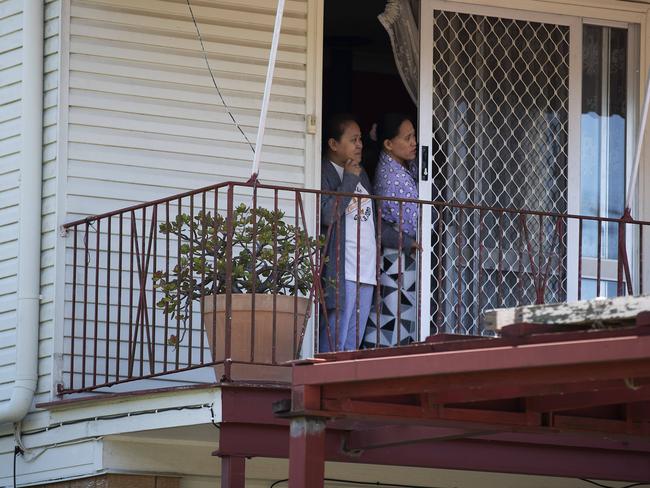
{"type": "Point", "coordinates": [258, 341]}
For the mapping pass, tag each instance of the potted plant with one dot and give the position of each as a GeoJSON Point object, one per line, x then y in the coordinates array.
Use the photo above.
{"type": "Point", "coordinates": [271, 271]}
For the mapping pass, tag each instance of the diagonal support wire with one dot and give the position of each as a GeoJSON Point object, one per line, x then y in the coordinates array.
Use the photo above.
{"type": "Point", "coordinates": [214, 81]}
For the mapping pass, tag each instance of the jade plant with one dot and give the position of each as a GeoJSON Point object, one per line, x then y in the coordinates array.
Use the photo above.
{"type": "Point", "coordinates": [268, 255]}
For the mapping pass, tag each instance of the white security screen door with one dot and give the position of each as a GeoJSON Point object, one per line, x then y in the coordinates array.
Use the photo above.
{"type": "Point", "coordinates": [496, 113]}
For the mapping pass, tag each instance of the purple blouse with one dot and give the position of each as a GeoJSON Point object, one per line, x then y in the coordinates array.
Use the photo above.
{"type": "Point", "coordinates": [394, 180]}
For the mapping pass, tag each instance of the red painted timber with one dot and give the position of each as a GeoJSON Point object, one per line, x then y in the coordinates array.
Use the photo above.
{"type": "Point", "coordinates": [306, 453]}
{"type": "Point", "coordinates": [574, 423]}
{"type": "Point", "coordinates": [548, 380]}
{"type": "Point", "coordinates": [252, 404]}
{"type": "Point", "coordinates": [233, 472]}
{"type": "Point", "coordinates": [465, 393]}
{"type": "Point", "coordinates": [477, 342]}
{"type": "Point", "coordinates": [525, 457]}
{"type": "Point", "coordinates": [587, 399]}
{"type": "Point", "coordinates": [494, 419]}
{"type": "Point", "coordinates": [397, 435]}
{"type": "Point", "coordinates": [638, 412]}
{"type": "Point", "coordinates": [546, 355]}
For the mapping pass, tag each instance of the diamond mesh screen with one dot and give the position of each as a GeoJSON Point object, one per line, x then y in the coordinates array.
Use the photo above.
{"type": "Point", "coordinates": [500, 139]}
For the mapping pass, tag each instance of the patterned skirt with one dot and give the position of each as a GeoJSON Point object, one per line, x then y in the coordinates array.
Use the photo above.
{"type": "Point", "coordinates": [388, 333]}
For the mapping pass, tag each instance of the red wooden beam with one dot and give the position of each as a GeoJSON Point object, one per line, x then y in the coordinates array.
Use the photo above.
{"type": "Point", "coordinates": [233, 472]}
{"type": "Point", "coordinates": [574, 423]}
{"type": "Point", "coordinates": [545, 379]}
{"type": "Point", "coordinates": [466, 393]}
{"type": "Point", "coordinates": [236, 439]}
{"type": "Point", "coordinates": [547, 355]}
{"type": "Point", "coordinates": [306, 453]}
{"type": "Point", "coordinates": [574, 401]}
{"type": "Point", "coordinates": [523, 457]}
{"type": "Point", "coordinates": [305, 397]}
{"type": "Point", "coordinates": [398, 435]}
{"type": "Point", "coordinates": [638, 412]}
{"type": "Point", "coordinates": [252, 404]}
{"type": "Point", "coordinates": [495, 419]}
{"type": "Point", "coordinates": [450, 342]}
{"type": "Point", "coordinates": [474, 419]}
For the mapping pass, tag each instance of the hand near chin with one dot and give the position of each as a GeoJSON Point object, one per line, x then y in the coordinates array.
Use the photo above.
{"type": "Point", "coordinates": [352, 167]}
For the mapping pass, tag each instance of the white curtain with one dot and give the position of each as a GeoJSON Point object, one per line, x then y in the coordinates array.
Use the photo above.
{"type": "Point", "coordinates": [400, 22]}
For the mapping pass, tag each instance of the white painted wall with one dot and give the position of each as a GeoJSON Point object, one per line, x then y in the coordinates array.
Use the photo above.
{"type": "Point", "coordinates": [10, 129]}
{"type": "Point", "coordinates": [144, 120]}
{"type": "Point", "coordinates": [72, 441]}
{"type": "Point", "coordinates": [10, 112]}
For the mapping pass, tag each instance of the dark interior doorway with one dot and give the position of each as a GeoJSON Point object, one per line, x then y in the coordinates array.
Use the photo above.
{"type": "Point", "coordinates": [359, 72]}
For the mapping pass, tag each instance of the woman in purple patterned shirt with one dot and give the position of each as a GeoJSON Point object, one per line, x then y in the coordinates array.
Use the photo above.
{"type": "Point", "coordinates": [396, 177]}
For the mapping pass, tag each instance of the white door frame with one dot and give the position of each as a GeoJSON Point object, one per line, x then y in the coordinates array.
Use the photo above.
{"type": "Point", "coordinates": [425, 129]}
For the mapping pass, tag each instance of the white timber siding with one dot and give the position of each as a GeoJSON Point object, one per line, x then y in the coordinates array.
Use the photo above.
{"type": "Point", "coordinates": [11, 22]}
{"type": "Point", "coordinates": [10, 110]}
{"type": "Point", "coordinates": [145, 120]}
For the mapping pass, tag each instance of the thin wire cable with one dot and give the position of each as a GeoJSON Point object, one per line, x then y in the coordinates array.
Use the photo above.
{"type": "Point", "coordinates": [607, 486]}
{"type": "Point", "coordinates": [58, 425]}
{"type": "Point", "coordinates": [214, 82]}
{"type": "Point", "coordinates": [361, 483]}
{"type": "Point", "coordinates": [212, 417]}
{"type": "Point", "coordinates": [391, 485]}
{"type": "Point", "coordinates": [33, 454]}
{"type": "Point", "coordinates": [16, 452]}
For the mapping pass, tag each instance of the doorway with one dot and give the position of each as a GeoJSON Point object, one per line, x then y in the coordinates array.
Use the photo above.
{"type": "Point", "coordinates": [359, 72]}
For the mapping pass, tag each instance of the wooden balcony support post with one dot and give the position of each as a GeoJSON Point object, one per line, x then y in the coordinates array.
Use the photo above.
{"type": "Point", "coordinates": [307, 452]}
{"type": "Point", "coordinates": [233, 471]}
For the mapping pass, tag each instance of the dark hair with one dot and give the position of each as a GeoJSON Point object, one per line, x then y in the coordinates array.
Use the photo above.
{"type": "Point", "coordinates": [388, 126]}
{"type": "Point", "coordinates": [335, 127]}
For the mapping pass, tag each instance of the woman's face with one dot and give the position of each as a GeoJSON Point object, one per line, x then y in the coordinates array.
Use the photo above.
{"type": "Point", "coordinates": [348, 147]}
{"type": "Point", "coordinates": [403, 146]}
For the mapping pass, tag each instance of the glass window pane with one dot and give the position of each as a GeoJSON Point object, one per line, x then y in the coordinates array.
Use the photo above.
{"type": "Point", "coordinates": [608, 289]}
{"type": "Point", "coordinates": [616, 154]}
{"type": "Point", "coordinates": [603, 131]}
{"type": "Point", "coordinates": [588, 289]}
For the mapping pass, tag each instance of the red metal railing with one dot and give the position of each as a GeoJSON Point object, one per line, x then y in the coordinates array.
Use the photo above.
{"type": "Point", "coordinates": [156, 289]}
